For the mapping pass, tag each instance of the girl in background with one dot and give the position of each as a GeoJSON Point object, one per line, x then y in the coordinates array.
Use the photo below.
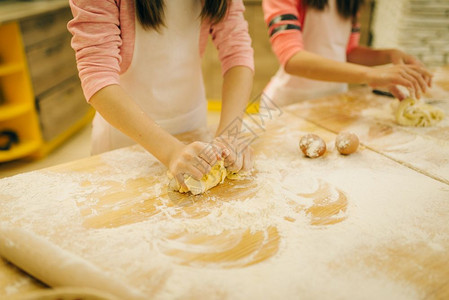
{"type": "Point", "coordinates": [140, 67]}
{"type": "Point", "coordinates": [316, 42]}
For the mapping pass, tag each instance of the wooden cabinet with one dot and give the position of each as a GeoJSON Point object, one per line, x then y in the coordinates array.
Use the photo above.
{"type": "Point", "coordinates": [59, 100]}
{"type": "Point", "coordinates": [41, 99]}
{"type": "Point", "coordinates": [51, 62]}
{"type": "Point", "coordinates": [61, 107]}
{"type": "Point", "coordinates": [45, 25]}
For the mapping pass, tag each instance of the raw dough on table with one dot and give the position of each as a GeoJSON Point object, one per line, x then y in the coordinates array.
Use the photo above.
{"type": "Point", "coordinates": [217, 175]}
{"type": "Point", "coordinates": [58, 267]}
{"type": "Point", "coordinates": [412, 112]}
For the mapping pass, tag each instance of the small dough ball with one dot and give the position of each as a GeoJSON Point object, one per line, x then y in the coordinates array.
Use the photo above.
{"type": "Point", "coordinates": [312, 145]}
{"type": "Point", "coordinates": [347, 143]}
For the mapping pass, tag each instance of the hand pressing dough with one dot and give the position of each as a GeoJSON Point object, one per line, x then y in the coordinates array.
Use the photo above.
{"type": "Point", "coordinates": [217, 175]}
{"type": "Point", "coordinates": [414, 113]}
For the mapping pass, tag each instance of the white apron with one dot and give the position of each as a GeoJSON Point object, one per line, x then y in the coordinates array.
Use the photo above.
{"type": "Point", "coordinates": [164, 77]}
{"type": "Point", "coordinates": [324, 33]}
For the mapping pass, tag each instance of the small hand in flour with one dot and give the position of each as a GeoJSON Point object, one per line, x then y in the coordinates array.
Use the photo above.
{"type": "Point", "coordinates": [195, 159]}
{"type": "Point", "coordinates": [235, 159]}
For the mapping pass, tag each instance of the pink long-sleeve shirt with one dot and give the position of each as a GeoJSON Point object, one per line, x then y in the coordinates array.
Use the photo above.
{"type": "Point", "coordinates": [104, 32]}
{"type": "Point", "coordinates": [286, 43]}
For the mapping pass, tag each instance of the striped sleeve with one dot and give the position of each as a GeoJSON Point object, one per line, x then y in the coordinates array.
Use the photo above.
{"type": "Point", "coordinates": [284, 27]}
{"type": "Point", "coordinates": [354, 38]}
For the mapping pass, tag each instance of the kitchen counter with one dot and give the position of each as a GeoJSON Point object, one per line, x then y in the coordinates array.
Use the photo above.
{"type": "Point", "coordinates": [369, 225]}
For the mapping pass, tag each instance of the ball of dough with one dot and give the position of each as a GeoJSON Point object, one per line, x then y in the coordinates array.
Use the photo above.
{"type": "Point", "coordinates": [346, 142]}
{"type": "Point", "coordinates": [412, 112]}
{"type": "Point", "coordinates": [217, 175]}
{"type": "Point", "coordinates": [312, 145]}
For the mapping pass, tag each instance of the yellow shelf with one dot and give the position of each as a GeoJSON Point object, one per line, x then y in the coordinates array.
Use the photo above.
{"type": "Point", "coordinates": [215, 105]}
{"type": "Point", "coordinates": [11, 68]}
{"type": "Point", "coordinates": [24, 148]}
{"type": "Point", "coordinates": [9, 111]}
{"type": "Point", "coordinates": [17, 113]}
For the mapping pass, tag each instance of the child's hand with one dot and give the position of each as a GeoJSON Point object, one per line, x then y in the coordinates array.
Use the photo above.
{"type": "Point", "coordinates": [397, 57]}
{"type": "Point", "coordinates": [243, 161]}
{"type": "Point", "coordinates": [235, 159]}
{"type": "Point", "coordinates": [195, 159]}
{"type": "Point", "coordinates": [414, 78]}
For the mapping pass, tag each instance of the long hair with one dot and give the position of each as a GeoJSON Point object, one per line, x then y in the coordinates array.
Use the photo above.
{"type": "Point", "coordinates": [150, 13]}
{"type": "Point", "coordinates": [346, 8]}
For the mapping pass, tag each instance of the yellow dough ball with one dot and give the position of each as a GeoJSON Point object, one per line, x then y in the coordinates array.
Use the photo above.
{"type": "Point", "coordinates": [312, 145]}
{"type": "Point", "coordinates": [346, 143]}
{"type": "Point", "coordinates": [412, 112]}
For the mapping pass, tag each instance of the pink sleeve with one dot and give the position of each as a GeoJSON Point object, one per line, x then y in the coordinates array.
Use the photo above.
{"type": "Point", "coordinates": [354, 38]}
{"type": "Point", "coordinates": [285, 43]}
{"type": "Point", "coordinates": [96, 40]}
{"type": "Point", "coordinates": [232, 40]}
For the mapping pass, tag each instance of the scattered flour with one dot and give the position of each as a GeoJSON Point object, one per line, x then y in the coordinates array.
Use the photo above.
{"type": "Point", "coordinates": [165, 252]}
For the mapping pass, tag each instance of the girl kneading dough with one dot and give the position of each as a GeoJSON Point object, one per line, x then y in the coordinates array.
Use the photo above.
{"type": "Point", "coordinates": [316, 42]}
{"type": "Point", "coordinates": [140, 68]}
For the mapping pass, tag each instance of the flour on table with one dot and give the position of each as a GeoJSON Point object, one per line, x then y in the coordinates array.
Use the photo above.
{"type": "Point", "coordinates": [169, 250]}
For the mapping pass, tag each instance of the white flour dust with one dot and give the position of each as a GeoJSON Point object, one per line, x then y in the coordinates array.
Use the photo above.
{"type": "Point", "coordinates": [177, 251]}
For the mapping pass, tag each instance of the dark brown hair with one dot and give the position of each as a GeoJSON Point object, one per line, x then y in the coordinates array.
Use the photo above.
{"type": "Point", "coordinates": [150, 13]}
{"type": "Point", "coordinates": [346, 8]}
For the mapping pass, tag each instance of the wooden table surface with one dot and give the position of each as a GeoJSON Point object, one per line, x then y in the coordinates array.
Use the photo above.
{"type": "Point", "coordinates": [369, 225]}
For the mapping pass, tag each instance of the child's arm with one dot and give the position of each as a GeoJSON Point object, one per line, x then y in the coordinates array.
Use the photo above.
{"type": "Point", "coordinates": [233, 43]}
{"type": "Point", "coordinates": [97, 39]}
{"type": "Point", "coordinates": [316, 67]}
{"type": "Point", "coordinates": [237, 84]}
{"type": "Point", "coordinates": [288, 46]}
{"type": "Point", "coordinates": [116, 107]}
{"type": "Point", "coordinates": [374, 57]}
